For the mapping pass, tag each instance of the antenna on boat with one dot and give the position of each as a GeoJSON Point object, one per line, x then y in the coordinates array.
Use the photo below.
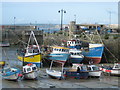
{"type": "Point", "coordinates": [7, 57]}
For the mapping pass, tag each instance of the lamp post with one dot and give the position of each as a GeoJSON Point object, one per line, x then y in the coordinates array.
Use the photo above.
{"type": "Point", "coordinates": [14, 22]}
{"type": "Point", "coordinates": [61, 11]}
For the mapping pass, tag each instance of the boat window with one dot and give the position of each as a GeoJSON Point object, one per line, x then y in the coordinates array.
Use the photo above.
{"type": "Point", "coordinates": [78, 53]}
{"type": "Point", "coordinates": [116, 66]}
{"type": "Point", "coordinates": [71, 53]}
{"type": "Point", "coordinates": [54, 49]}
{"type": "Point", "coordinates": [84, 68]}
{"type": "Point", "coordinates": [30, 51]}
{"type": "Point", "coordinates": [75, 53]}
{"type": "Point", "coordinates": [95, 68]}
{"type": "Point", "coordinates": [66, 50]}
{"type": "Point", "coordinates": [63, 50]}
{"type": "Point", "coordinates": [34, 68]}
{"type": "Point", "coordinates": [24, 70]}
{"type": "Point", "coordinates": [28, 69]}
{"type": "Point", "coordinates": [89, 68]}
{"type": "Point", "coordinates": [35, 51]}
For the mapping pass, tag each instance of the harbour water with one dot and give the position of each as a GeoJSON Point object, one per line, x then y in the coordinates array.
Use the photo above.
{"type": "Point", "coordinates": [9, 55]}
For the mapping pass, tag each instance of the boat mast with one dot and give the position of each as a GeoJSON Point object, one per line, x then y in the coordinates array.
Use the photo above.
{"type": "Point", "coordinates": [35, 40]}
{"type": "Point", "coordinates": [62, 69]}
{"type": "Point", "coordinates": [51, 64]}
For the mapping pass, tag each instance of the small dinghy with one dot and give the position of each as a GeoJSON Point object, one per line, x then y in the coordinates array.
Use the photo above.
{"type": "Point", "coordinates": [55, 73]}
{"type": "Point", "coordinates": [11, 73]}
{"type": "Point", "coordinates": [115, 70]}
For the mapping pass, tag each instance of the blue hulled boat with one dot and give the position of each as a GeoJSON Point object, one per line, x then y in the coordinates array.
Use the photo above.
{"type": "Point", "coordinates": [92, 52]}
{"type": "Point", "coordinates": [9, 73]}
{"type": "Point", "coordinates": [59, 54]}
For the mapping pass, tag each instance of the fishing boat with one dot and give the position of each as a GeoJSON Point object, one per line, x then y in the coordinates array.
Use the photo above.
{"type": "Point", "coordinates": [94, 71]}
{"type": "Point", "coordinates": [32, 53]}
{"type": "Point", "coordinates": [115, 70]}
{"type": "Point", "coordinates": [76, 56]}
{"type": "Point", "coordinates": [59, 54]}
{"type": "Point", "coordinates": [11, 73]}
{"type": "Point", "coordinates": [92, 52]}
{"type": "Point", "coordinates": [78, 71]}
{"type": "Point", "coordinates": [30, 71]}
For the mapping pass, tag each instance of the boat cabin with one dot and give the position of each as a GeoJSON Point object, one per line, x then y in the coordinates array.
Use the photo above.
{"type": "Point", "coordinates": [29, 68]}
{"type": "Point", "coordinates": [32, 49]}
{"type": "Point", "coordinates": [116, 66]}
{"type": "Point", "coordinates": [81, 67]}
{"type": "Point", "coordinates": [74, 44]}
{"type": "Point", "coordinates": [60, 50]}
{"type": "Point", "coordinates": [78, 44]}
{"type": "Point", "coordinates": [92, 68]}
{"type": "Point", "coordinates": [75, 52]}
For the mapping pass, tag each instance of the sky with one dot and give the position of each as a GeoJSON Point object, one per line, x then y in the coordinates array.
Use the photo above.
{"type": "Point", "coordinates": [44, 12]}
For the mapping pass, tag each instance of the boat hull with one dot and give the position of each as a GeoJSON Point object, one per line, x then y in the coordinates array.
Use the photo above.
{"type": "Point", "coordinates": [75, 60]}
{"type": "Point", "coordinates": [54, 74]}
{"type": "Point", "coordinates": [35, 59]}
{"type": "Point", "coordinates": [31, 75]}
{"type": "Point", "coordinates": [59, 57]}
{"type": "Point", "coordinates": [94, 54]}
{"type": "Point", "coordinates": [74, 74]}
{"type": "Point", "coordinates": [115, 72]}
{"type": "Point", "coordinates": [95, 73]}
{"type": "Point", "coordinates": [11, 75]}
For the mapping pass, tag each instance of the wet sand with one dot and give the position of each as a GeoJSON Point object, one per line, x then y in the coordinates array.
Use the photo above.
{"type": "Point", "coordinates": [45, 81]}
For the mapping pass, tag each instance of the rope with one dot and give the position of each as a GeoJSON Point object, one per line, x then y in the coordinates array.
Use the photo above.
{"type": "Point", "coordinates": [105, 46]}
{"type": "Point", "coordinates": [112, 54]}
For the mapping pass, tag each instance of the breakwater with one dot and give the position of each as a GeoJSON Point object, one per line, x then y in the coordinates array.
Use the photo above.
{"type": "Point", "coordinates": [16, 36]}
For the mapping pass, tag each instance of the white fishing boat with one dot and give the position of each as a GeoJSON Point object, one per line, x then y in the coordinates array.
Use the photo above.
{"type": "Point", "coordinates": [94, 71]}
{"type": "Point", "coordinates": [30, 71]}
{"type": "Point", "coordinates": [76, 56]}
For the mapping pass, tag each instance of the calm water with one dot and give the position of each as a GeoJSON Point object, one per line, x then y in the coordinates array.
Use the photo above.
{"type": "Point", "coordinates": [9, 55]}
